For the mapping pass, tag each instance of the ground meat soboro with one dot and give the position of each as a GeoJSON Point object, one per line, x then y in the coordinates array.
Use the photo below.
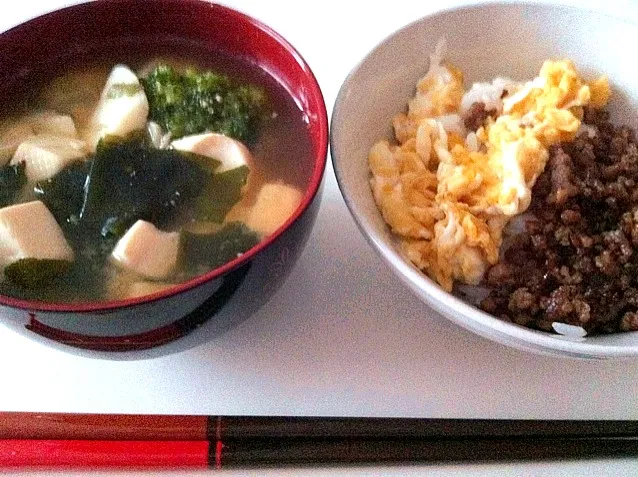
{"type": "Point", "coordinates": [577, 260]}
{"type": "Point", "coordinates": [476, 116]}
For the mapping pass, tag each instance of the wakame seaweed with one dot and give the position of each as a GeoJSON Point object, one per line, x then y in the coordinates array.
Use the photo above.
{"type": "Point", "coordinates": [129, 181]}
{"type": "Point", "coordinates": [35, 273]}
{"type": "Point", "coordinates": [12, 179]}
{"type": "Point", "coordinates": [96, 201]}
{"type": "Point", "coordinates": [208, 251]}
{"type": "Point", "coordinates": [193, 102]}
{"type": "Point", "coordinates": [221, 194]}
{"type": "Point", "coordinates": [63, 194]}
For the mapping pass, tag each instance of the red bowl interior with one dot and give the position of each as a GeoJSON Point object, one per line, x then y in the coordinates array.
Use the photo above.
{"type": "Point", "coordinates": [49, 41]}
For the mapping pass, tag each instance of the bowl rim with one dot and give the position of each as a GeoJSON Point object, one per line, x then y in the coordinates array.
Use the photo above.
{"type": "Point", "coordinates": [467, 316]}
{"type": "Point", "coordinates": [319, 162]}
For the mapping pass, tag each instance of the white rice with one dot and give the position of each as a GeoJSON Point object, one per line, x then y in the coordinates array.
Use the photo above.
{"type": "Point", "coordinates": [489, 94]}
{"type": "Point", "coordinates": [591, 131]}
{"type": "Point", "coordinates": [570, 331]}
{"type": "Point", "coordinates": [452, 123]}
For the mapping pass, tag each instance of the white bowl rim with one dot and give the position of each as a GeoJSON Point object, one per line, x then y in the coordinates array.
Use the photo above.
{"type": "Point", "coordinates": [469, 316]}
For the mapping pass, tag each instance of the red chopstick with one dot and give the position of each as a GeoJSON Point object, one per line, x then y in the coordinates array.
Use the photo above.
{"type": "Point", "coordinates": [103, 454]}
{"type": "Point", "coordinates": [143, 427]}
{"type": "Point", "coordinates": [154, 441]}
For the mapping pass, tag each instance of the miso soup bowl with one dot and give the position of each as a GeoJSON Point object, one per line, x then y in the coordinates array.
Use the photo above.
{"type": "Point", "coordinates": [159, 323]}
{"type": "Point", "coordinates": [484, 41]}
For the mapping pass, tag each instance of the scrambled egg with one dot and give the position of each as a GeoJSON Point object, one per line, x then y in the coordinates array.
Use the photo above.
{"type": "Point", "coordinates": [449, 193]}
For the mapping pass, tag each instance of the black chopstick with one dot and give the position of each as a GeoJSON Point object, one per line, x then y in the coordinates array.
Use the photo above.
{"type": "Point", "coordinates": [33, 425]}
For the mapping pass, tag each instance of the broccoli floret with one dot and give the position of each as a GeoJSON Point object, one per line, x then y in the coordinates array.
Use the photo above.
{"type": "Point", "coordinates": [195, 102]}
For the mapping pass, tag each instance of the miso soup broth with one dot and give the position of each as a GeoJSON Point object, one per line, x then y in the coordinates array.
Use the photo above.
{"type": "Point", "coordinates": [120, 178]}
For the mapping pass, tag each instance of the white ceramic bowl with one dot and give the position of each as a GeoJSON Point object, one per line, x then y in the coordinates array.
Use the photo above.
{"type": "Point", "coordinates": [484, 41]}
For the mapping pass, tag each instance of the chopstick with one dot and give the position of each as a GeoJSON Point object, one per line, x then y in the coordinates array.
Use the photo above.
{"type": "Point", "coordinates": [165, 441]}
{"type": "Point", "coordinates": [33, 425]}
{"type": "Point", "coordinates": [278, 452]}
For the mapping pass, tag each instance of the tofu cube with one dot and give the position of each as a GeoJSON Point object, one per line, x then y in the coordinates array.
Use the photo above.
{"type": "Point", "coordinates": [274, 204]}
{"type": "Point", "coordinates": [47, 122]}
{"type": "Point", "coordinates": [124, 284]}
{"type": "Point", "coordinates": [228, 151]}
{"type": "Point", "coordinates": [50, 122]}
{"type": "Point", "coordinates": [30, 231]}
{"type": "Point", "coordinates": [147, 251]}
{"type": "Point", "coordinates": [11, 137]}
{"type": "Point", "coordinates": [122, 108]}
{"type": "Point", "coordinates": [46, 155]}
{"type": "Point", "coordinates": [138, 289]}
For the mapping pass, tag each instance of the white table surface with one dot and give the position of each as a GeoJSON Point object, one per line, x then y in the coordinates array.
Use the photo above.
{"type": "Point", "coordinates": [342, 336]}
